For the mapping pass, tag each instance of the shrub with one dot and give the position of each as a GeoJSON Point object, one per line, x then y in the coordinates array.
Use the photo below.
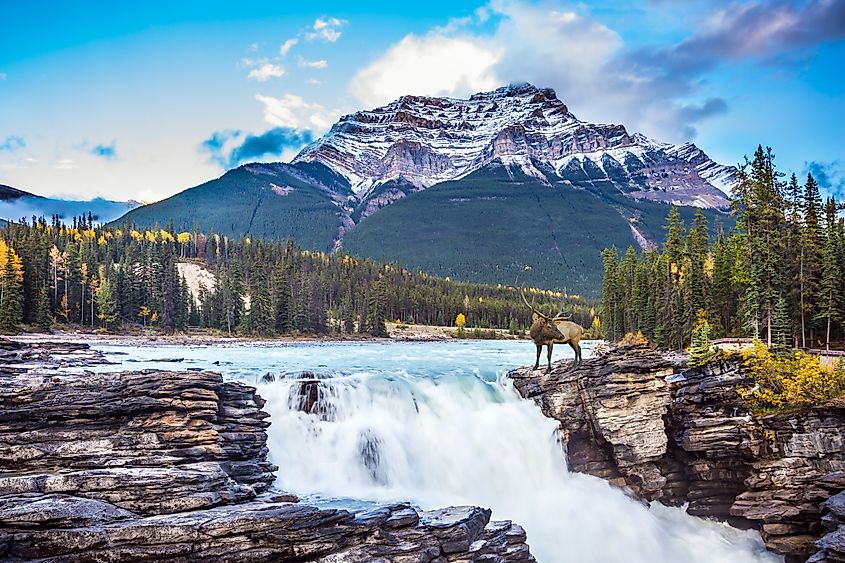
{"type": "Point", "coordinates": [791, 380]}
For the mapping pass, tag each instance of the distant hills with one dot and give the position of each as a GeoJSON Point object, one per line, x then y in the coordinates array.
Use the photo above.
{"type": "Point", "coordinates": [17, 204]}
{"type": "Point", "coordinates": [506, 182]}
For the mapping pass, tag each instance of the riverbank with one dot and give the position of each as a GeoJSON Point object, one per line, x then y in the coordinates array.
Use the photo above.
{"type": "Point", "coordinates": [396, 332]}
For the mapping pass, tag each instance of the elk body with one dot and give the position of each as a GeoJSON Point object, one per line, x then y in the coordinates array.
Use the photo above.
{"type": "Point", "coordinates": [548, 331]}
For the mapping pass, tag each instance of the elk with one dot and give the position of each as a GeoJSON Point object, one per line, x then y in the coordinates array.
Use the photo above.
{"type": "Point", "coordinates": [549, 331]}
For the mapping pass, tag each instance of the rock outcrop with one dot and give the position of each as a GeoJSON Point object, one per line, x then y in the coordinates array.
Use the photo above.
{"type": "Point", "coordinates": [641, 420]}
{"type": "Point", "coordinates": [832, 545]}
{"type": "Point", "coordinates": [173, 466]}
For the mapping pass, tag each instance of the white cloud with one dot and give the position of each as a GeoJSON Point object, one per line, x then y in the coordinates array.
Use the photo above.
{"type": "Point", "coordinates": [305, 63]}
{"type": "Point", "coordinates": [66, 164]}
{"type": "Point", "coordinates": [287, 46]}
{"type": "Point", "coordinates": [435, 64]}
{"type": "Point", "coordinates": [292, 111]}
{"type": "Point", "coordinates": [253, 47]}
{"type": "Point", "coordinates": [326, 29]}
{"type": "Point", "coordinates": [265, 71]}
{"type": "Point", "coordinates": [514, 41]}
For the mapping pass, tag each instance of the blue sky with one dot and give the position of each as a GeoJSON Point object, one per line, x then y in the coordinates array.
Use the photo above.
{"type": "Point", "coordinates": [104, 99]}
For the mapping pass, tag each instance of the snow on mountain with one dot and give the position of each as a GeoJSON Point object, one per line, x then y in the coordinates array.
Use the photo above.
{"type": "Point", "coordinates": [422, 141]}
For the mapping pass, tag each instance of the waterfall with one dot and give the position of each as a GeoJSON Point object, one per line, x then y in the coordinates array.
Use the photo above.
{"type": "Point", "coordinates": [460, 439]}
{"type": "Point", "coordinates": [436, 424]}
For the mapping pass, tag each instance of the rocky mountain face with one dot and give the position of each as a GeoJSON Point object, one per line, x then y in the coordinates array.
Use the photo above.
{"type": "Point", "coordinates": [427, 140]}
{"type": "Point", "coordinates": [172, 466]}
{"type": "Point", "coordinates": [641, 420]}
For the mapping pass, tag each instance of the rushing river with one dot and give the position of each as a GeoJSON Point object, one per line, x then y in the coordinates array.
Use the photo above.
{"type": "Point", "coordinates": [438, 424]}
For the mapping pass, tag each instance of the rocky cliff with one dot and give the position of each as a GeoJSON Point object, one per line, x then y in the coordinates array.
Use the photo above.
{"type": "Point", "coordinates": [173, 466]}
{"type": "Point", "coordinates": [641, 420]}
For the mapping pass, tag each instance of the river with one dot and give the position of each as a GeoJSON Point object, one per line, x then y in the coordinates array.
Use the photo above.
{"type": "Point", "coordinates": [438, 424]}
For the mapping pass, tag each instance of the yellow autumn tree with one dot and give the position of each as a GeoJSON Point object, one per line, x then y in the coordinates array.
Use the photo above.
{"type": "Point", "coordinates": [792, 380]}
{"type": "Point", "coordinates": [17, 265]}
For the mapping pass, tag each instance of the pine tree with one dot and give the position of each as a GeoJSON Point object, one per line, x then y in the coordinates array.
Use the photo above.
{"type": "Point", "coordinates": [261, 319]}
{"type": "Point", "coordinates": [830, 286]}
{"type": "Point", "coordinates": [11, 298]}
{"type": "Point", "coordinates": [610, 297]}
{"type": "Point", "coordinates": [377, 308]}
{"type": "Point", "coordinates": [810, 266]}
{"type": "Point", "coordinates": [106, 301]}
{"type": "Point", "coordinates": [43, 316]}
{"type": "Point", "coordinates": [283, 301]}
{"type": "Point", "coordinates": [781, 325]}
{"type": "Point", "coordinates": [697, 283]}
{"type": "Point", "coordinates": [700, 350]}
{"type": "Point", "coordinates": [347, 313]}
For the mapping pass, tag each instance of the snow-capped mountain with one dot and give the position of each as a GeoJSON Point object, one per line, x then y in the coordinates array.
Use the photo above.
{"type": "Point", "coordinates": [477, 189]}
{"type": "Point", "coordinates": [423, 141]}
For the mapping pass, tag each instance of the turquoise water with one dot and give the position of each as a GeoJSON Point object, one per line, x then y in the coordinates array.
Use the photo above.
{"type": "Point", "coordinates": [439, 424]}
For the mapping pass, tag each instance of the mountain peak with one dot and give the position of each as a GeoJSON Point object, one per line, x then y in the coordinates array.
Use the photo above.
{"type": "Point", "coordinates": [424, 140]}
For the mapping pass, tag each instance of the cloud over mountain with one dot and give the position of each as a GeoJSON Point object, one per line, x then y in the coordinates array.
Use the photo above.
{"type": "Point", "coordinates": [230, 148]}
{"type": "Point", "coordinates": [658, 90]}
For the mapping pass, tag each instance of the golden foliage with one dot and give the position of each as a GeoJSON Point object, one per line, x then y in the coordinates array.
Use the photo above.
{"type": "Point", "coordinates": [634, 339]}
{"type": "Point", "coordinates": [791, 380]}
{"type": "Point", "coordinates": [460, 320]}
{"type": "Point", "coordinates": [183, 238]}
{"type": "Point", "coordinates": [17, 265]}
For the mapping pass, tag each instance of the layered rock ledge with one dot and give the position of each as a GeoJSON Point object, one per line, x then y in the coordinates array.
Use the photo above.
{"type": "Point", "coordinates": [173, 466]}
{"type": "Point", "coordinates": [642, 420]}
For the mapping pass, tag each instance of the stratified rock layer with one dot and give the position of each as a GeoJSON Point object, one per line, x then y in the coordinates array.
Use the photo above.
{"type": "Point", "coordinates": [639, 419]}
{"type": "Point", "coordinates": [172, 466]}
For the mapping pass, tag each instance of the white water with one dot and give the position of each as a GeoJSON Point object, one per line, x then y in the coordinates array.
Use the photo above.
{"type": "Point", "coordinates": [435, 423]}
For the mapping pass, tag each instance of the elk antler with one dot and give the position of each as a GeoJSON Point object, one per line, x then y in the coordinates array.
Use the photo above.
{"type": "Point", "coordinates": [530, 305]}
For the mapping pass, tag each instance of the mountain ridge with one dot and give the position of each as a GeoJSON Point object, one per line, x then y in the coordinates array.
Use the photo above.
{"type": "Point", "coordinates": [454, 162]}
{"type": "Point", "coordinates": [425, 140]}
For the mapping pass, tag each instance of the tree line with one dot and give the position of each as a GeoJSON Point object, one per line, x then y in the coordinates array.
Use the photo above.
{"type": "Point", "coordinates": [103, 277]}
{"type": "Point", "coordinates": [777, 275]}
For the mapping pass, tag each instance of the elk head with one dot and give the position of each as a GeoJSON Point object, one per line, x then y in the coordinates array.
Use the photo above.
{"type": "Point", "coordinates": [543, 327]}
